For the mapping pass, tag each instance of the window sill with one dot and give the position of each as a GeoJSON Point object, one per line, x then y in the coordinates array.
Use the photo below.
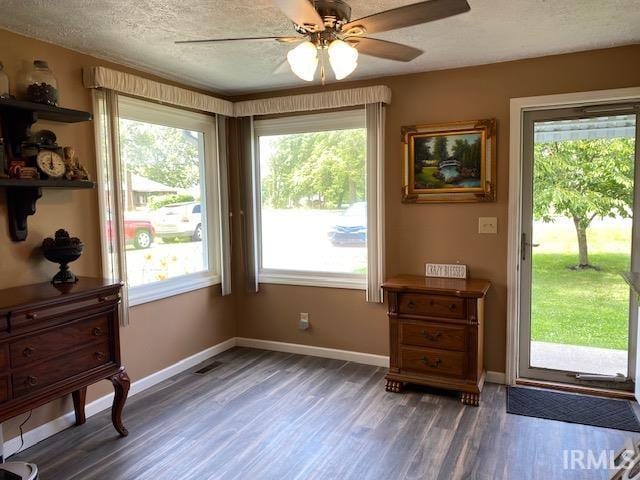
{"type": "Point", "coordinates": [314, 279]}
{"type": "Point", "coordinates": [169, 288]}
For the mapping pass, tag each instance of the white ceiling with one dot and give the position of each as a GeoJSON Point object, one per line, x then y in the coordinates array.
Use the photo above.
{"type": "Point", "coordinates": [140, 33]}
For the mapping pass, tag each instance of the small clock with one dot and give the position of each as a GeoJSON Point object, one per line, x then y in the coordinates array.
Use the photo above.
{"type": "Point", "coordinates": [51, 163]}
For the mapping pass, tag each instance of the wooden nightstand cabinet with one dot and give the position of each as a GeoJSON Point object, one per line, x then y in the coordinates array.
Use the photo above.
{"type": "Point", "coordinates": [436, 330]}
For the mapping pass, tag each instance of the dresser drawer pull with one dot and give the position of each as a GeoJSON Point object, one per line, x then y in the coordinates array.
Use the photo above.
{"type": "Point", "coordinates": [102, 299]}
{"type": "Point", "coordinates": [429, 364]}
{"type": "Point", "coordinates": [411, 304]}
{"type": "Point", "coordinates": [452, 306]}
{"type": "Point", "coordinates": [99, 356]}
{"type": "Point", "coordinates": [31, 381]}
{"type": "Point", "coordinates": [96, 332]}
{"type": "Point", "coordinates": [27, 352]}
{"type": "Point", "coordinates": [32, 316]}
{"type": "Point", "coordinates": [433, 337]}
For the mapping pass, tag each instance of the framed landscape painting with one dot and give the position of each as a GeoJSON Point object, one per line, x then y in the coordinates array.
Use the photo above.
{"type": "Point", "coordinates": [453, 162]}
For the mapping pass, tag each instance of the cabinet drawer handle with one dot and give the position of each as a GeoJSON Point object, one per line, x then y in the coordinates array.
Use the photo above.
{"type": "Point", "coordinates": [433, 337]}
{"type": "Point", "coordinates": [27, 352]}
{"type": "Point", "coordinates": [31, 381]}
{"type": "Point", "coordinates": [411, 304]}
{"type": "Point", "coordinates": [99, 356]}
{"type": "Point", "coordinates": [452, 306]}
{"type": "Point", "coordinates": [32, 316]}
{"type": "Point", "coordinates": [96, 332]}
{"type": "Point", "coordinates": [429, 364]}
{"type": "Point", "coordinates": [102, 299]}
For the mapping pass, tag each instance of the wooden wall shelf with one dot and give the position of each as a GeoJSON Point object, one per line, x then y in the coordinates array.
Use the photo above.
{"type": "Point", "coordinates": [45, 112]}
{"type": "Point", "coordinates": [22, 196]}
{"type": "Point", "coordinates": [16, 119]}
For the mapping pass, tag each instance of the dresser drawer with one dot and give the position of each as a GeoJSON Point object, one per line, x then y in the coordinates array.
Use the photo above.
{"type": "Point", "coordinates": [38, 376]}
{"type": "Point", "coordinates": [4, 388]}
{"type": "Point", "coordinates": [431, 305]}
{"type": "Point", "coordinates": [436, 362]}
{"type": "Point", "coordinates": [4, 357]}
{"type": "Point", "coordinates": [435, 335]}
{"type": "Point", "coordinates": [59, 341]}
{"type": "Point", "coordinates": [27, 319]}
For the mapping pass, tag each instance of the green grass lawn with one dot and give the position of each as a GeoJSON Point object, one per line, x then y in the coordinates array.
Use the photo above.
{"type": "Point", "coordinates": [580, 307]}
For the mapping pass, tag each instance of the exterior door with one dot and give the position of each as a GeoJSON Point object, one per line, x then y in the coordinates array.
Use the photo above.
{"type": "Point", "coordinates": [580, 195]}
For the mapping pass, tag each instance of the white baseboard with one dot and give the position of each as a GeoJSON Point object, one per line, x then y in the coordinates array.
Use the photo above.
{"type": "Point", "coordinates": [347, 355]}
{"type": "Point", "coordinates": [103, 403]}
{"type": "Point", "coordinates": [496, 377]}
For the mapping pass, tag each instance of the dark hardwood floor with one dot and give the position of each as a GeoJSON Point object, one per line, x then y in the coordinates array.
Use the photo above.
{"type": "Point", "coordinates": [268, 415]}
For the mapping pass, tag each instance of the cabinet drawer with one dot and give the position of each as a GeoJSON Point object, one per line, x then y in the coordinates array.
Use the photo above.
{"type": "Point", "coordinates": [432, 305]}
{"type": "Point", "coordinates": [4, 357]}
{"type": "Point", "coordinates": [59, 341]}
{"type": "Point", "coordinates": [4, 388]}
{"type": "Point", "coordinates": [28, 319]}
{"type": "Point", "coordinates": [436, 362]}
{"type": "Point", "coordinates": [35, 377]}
{"type": "Point", "coordinates": [447, 337]}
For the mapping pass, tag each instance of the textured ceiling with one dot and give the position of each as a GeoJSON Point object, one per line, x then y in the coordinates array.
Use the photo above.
{"type": "Point", "coordinates": [140, 33]}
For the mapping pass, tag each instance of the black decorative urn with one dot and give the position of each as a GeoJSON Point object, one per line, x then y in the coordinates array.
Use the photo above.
{"type": "Point", "coordinates": [63, 250]}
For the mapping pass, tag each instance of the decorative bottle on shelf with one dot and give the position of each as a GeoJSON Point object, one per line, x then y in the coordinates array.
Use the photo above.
{"type": "Point", "coordinates": [39, 85]}
{"type": "Point", "coordinates": [4, 82]}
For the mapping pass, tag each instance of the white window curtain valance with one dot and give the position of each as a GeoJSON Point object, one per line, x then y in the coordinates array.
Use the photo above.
{"type": "Point", "coordinates": [349, 97]}
{"type": "Point", "coordinates": [127, 83]}
{"type": "Point", "coordinates": [121, 82]}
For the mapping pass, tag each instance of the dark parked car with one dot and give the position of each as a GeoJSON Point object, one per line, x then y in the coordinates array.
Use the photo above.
{"type": "Point", "coordinates": [352, 227]}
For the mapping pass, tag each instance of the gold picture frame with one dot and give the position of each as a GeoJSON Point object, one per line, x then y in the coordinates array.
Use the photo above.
{"type": "Point", "coordinates": [449, 162]}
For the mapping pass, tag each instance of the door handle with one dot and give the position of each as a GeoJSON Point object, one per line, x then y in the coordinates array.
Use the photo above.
{"type": "Point", "coordinates": [524, 244]}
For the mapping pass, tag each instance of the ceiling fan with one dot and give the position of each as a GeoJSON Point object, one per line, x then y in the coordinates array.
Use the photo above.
{"type": "Point", "coordinates": [325, 27]}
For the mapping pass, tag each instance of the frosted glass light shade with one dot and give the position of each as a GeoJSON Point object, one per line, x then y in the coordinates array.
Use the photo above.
{"type": "Point", "coordinates": [303, 60]}
{"type": "Point", "coordinates": [343, 58]}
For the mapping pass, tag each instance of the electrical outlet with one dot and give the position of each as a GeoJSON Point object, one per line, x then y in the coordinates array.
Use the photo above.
{"type": "Point", "coordinates": [303, 323]}
{"type": "Point", "coordinates": [487, 225]}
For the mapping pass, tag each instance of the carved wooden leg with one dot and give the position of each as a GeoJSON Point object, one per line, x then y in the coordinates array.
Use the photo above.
{"type": "Point", "coordinates": [393, 386]}
{"type": "Point", "coordinates": [79, 399]}
{"type": "Point", "coordinates": [472, 399]}
{"type": "Point", "coordinates": [121, 384]}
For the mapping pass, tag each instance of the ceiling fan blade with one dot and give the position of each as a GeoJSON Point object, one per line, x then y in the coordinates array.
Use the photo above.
{"type": "Point", "coordinates": [384, 49]}
{"type": "Point", "coordinates": [301, 12]}
{"type": "Point", "coordinates": [409, 15]}
{"type": "Point", "coordinates": [245, 39]}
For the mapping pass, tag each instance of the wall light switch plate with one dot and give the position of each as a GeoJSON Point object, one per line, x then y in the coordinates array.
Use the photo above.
{"type": "Point", "coordinates": [487, 225]}
{"type": "Point", "coordinates": [303, 323]}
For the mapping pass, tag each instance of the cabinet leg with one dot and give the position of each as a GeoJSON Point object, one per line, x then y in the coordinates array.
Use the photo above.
{"type": "Point", "coordinates": [121, 384]}
{"type": "Point", "coordinates": [393, 386]}
{"type": "Point", "coordinates": [79, 399]}
{"type": "Point", "coordinates": [472, 399]}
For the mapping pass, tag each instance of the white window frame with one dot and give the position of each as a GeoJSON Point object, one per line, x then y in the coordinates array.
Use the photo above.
{"type": "Point", "coordinates": [307, 123]}
{"type": "Point", "coordinates": [149, 112]}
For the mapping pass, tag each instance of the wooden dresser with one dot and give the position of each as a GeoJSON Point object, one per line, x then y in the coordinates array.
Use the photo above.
{"type": "Point", "coordinates": [56, 340]}
{"type": "Point", "coordinates": [436, 334]}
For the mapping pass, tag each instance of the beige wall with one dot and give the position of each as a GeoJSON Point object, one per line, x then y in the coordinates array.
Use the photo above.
{"type": "Point", "coordinates": [160, 333]}
{"type": "Point", "coordinates": [416, 234]}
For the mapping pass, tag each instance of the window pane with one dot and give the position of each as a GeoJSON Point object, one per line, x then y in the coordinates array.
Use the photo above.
{"type": "Point", "coordinates": [314, 211]}
{"type": "Point", "coordinates": [162, 192]}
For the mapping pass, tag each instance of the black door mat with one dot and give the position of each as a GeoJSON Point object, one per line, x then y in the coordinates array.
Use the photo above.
{"type": "Point", "coordinates": [572, 408]}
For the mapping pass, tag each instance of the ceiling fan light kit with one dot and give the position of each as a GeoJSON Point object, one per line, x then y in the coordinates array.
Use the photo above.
{"type": "Point", "coordinates": [303, 60]}
{"type": "Point", "coordinates": [326, 29]}
{"type": "Point", "coordinates": [343, 58]}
